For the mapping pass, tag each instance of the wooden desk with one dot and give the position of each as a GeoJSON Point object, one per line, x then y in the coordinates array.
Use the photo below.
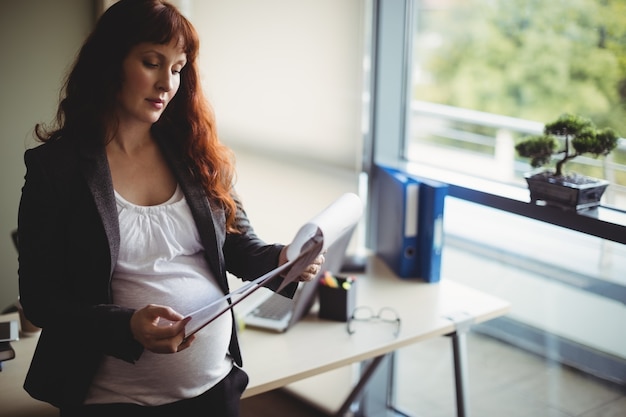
{"type": "Point", "coordinates": [316, 346]}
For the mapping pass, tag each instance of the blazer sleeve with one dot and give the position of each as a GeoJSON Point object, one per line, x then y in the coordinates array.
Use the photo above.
{"type": "Point", "coordinates": [248, 257]}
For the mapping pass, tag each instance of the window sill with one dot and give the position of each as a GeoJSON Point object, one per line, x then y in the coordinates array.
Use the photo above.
{"type": "Point", "coordinates": [603, 222]}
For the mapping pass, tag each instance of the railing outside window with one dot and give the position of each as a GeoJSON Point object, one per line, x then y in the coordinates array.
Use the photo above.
{"type": "Point", "coordinates": [482, 144]}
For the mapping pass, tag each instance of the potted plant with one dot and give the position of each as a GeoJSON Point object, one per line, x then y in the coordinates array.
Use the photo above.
{"type": "Point", "coordinates": [565, 139]}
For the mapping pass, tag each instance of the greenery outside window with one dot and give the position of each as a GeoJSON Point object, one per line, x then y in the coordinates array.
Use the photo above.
{"type": "Point", "coordinates": [486, 72]}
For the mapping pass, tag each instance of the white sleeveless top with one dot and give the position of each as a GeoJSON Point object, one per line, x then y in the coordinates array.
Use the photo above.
{"type": "Point", "coordinates": [161, 262]}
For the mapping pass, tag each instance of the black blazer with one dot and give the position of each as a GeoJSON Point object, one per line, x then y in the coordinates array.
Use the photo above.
{"type": "Point", "coordinates": [68, 246]}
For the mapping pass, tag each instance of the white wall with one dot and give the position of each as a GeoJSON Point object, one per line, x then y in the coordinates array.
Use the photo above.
{"type": "Point", "coordinates": [285, 75]}
{"type": "Point", "coordinates": [38, 40]}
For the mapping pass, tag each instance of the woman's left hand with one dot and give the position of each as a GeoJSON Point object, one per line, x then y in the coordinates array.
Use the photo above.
{"type": "Point", "coordinates": [311, 271]}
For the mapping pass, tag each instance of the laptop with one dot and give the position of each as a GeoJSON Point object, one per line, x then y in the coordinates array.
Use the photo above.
{"type": "Point", "coordinates": [276, 313]}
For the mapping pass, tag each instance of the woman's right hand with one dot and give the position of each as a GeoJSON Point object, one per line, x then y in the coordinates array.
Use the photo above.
{"type": "Point", "coordinates": [148, 329]}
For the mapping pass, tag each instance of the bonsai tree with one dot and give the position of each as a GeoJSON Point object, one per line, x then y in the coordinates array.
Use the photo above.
{"type": "Point", "coordinates": [580, 137]}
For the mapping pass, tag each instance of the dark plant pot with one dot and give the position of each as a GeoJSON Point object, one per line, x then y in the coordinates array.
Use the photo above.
{"type": "Point", "coordinates": [570, 192]}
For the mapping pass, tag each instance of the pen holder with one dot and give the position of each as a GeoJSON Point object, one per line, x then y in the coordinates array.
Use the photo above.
{"type": "Point", "coordinates": [337, 297]}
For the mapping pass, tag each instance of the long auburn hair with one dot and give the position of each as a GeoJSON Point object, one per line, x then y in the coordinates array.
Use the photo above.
{"type": "Point", "coordinates": [88, 102]}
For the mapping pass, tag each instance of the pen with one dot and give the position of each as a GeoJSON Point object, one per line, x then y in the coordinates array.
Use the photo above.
{"type": "Point", "coordinates": [348, 282]}
{"type": "Point", "coordinates": [329, 280]}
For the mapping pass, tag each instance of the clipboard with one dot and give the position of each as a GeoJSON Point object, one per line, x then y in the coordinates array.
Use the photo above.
{"type": "Point", "coordinates": [294, 270]}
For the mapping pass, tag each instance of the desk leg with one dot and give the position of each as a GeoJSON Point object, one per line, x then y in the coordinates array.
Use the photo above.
{"type": "Point", "coordinates": [463, 323]}
{"type": "Point", "coordinates": [358, 390]}
{"type": "Point", "coordinates": [374, 394]}
{"type": "Point", "coordinates": [459, 350]}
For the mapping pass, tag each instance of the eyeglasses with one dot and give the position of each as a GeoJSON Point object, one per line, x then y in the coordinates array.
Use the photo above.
{"type": "Point", "coordinates": [366, 314]}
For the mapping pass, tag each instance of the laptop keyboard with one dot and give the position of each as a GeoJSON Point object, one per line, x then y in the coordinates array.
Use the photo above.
{"type": "Point", "coordinates": [275, 307]}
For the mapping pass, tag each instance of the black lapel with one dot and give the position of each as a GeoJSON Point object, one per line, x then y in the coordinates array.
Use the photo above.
{"type": "Point", "coordinates": [95, 168]}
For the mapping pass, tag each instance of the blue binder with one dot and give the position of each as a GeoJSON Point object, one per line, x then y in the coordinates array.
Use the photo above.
{"type": "Point", "coordinates": [397, 221]}
{"type": "Point", "coordinates": [431, 208]}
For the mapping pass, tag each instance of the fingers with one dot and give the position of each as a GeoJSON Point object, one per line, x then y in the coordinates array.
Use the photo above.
{"type": "Point", "coordinates": [306, 277]}
{"type": "Point", "coordinates": [313, 269]}
{"type": "Point", "coordinates": [167, 313]}
{"type": "Point", "coordinates": [186, 343]}
{"type": "Point", "coordinates": [160, 329]}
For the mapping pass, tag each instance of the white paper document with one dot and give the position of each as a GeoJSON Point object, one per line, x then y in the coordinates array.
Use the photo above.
{"type": "Point", "coordinates": [313, 238]}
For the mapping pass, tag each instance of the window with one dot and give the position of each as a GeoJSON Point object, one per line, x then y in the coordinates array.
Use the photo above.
{"type": "Point", "coordinates": [487, 72]}
{"type": "Point", "coordinates": [455, 85]}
